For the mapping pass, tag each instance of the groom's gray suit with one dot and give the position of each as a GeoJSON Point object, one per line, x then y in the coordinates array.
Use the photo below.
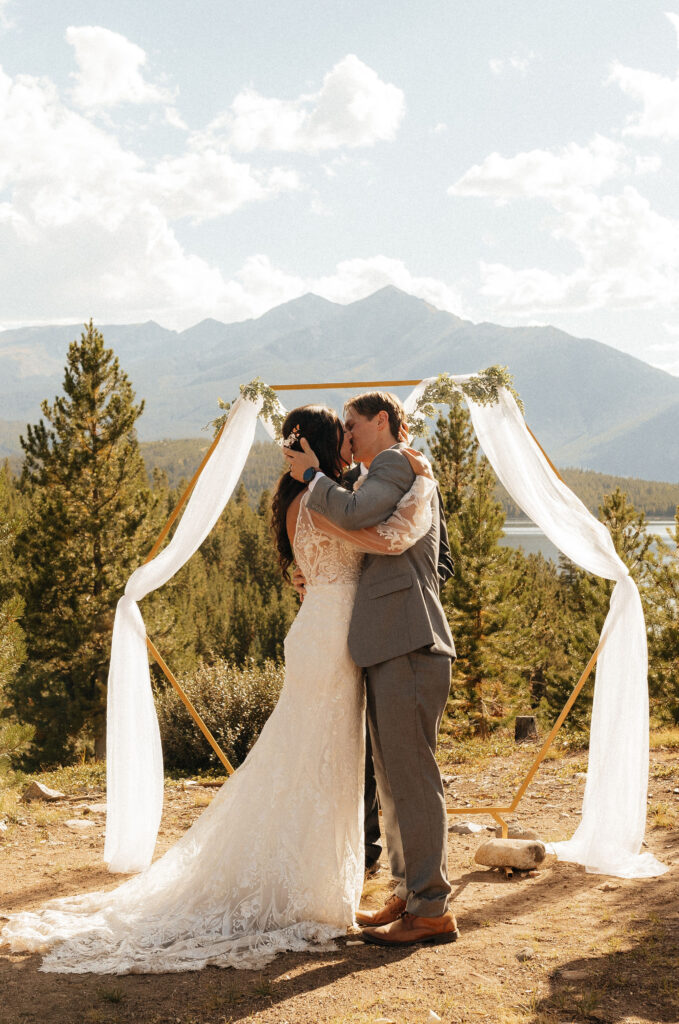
{"type": "Point", "coordinates": [400, 635]}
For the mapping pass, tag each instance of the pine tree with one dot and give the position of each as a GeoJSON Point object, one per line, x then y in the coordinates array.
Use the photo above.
{"type": "Point", "coordinates": [230, 601]}
{"type": "Point", "coordinates": [663, 674]}
{"type": "Point", "coordinates": [263, 604]}
{"type": "Point", "coordinates": [540, 630]}
{"type": "Point", "coordinates": [11, 605]}
{"type": "Point", "coordinates": [454, 451]}
{"type": "Point", "coordinates": [90, 523]}
{"type": "Point", "coordinates": [13, 737]}
{"type": "Point", "coordinates": [479, 598]}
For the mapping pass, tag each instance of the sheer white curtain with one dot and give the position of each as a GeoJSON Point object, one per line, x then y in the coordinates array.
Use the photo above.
{"type": "Point", "coordinates": [608, 839]}
{"type": "Point", "coordinates": [134, 769]}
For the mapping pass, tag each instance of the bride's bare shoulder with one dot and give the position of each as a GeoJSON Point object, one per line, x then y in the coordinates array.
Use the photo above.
{"type": "Point", "coordinates": [291, 516]}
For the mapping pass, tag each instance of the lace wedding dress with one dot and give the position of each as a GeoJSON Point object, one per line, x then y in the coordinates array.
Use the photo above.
{"type": "Point", "coordinates": [276, 861]}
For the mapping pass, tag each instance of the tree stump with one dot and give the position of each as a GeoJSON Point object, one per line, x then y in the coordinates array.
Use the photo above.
{"type": "Point", "coordinates": [522, 854]}
{"type": "Point", "coordinates": [525, 728]}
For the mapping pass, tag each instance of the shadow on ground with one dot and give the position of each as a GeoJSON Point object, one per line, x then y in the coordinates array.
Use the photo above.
{"type": "Point", "coordinates": [212, 994]}
{"type": "Point", "coordinates": [635, 976]}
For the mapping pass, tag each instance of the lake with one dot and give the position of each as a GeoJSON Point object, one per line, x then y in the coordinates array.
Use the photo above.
{"type": "Point", "coordinates": [519, 533]}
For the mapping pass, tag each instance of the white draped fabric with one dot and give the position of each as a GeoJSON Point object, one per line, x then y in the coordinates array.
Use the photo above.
{"type": "Point", "coordinates": [610, 834]}
{"type": "Point", "coordinates": [609, 837]}
{"type": "Point", "coordinates": [134, 769]}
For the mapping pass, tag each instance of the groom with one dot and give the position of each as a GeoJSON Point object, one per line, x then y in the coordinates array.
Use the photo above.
{"type": "Point", "coordinates": [400, 636]}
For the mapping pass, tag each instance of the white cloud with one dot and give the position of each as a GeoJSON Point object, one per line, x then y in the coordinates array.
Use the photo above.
{"type": "Point", "coordinates": [60, 167]}
{"type": "Point", "coordinates": [624, 253]}
{"type": "Point", "coordinates": [54, 156]}
{"type": "Point", "coordinates": [174, 118]}
{"type": "Point", "coordinates": [629, 256]}
{"type": "Point", "coordinates": [260, 285]}
{"type": "Point", "coordinates": [657, 94]}
{"type": "Point", "coordinates": [516, 62]}
{"type": "Point", "coordinates": [543, 172]}
{"type": "Point", "coordinates": [205, 183]}
{"type": "Point", "coordinates": [356, 278]}
{"type": "Point", "coordinates": [110, 70]}
{"type": "Point", "coordinates": [647, 163]}
{"type": "Point", "coordinates": [90, 222]}
{"type": "Point", "coordinates": [353, 108]}
{"type": "Point", "coordinates": [674, 21]}
{"type": "Point", "coordinates": [665, 354]}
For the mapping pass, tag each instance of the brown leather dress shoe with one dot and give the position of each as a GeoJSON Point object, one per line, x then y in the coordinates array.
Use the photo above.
{"type": "Point", "coordinates": [410, 929]}
{"type": "Point", "coordinates": [391, 911]}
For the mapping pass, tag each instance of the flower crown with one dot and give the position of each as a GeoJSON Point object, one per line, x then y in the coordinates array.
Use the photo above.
{"type": "Point", "coordinates": [292, 438]}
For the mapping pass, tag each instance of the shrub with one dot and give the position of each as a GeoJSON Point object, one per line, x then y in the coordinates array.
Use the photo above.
{"type": "Point", "coordinates": [233, 702]}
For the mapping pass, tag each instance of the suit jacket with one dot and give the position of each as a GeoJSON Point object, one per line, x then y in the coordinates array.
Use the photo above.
{"type": "Point", "coordinates": [397, 607]}
{"type": "Point", "coordinates": [445, 566]}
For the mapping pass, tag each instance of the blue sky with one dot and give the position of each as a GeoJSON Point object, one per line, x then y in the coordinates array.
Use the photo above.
{"type": "Point", "coordinates": [508, 162]}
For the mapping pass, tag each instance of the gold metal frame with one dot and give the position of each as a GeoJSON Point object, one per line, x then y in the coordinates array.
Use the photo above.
{"type": "Point", "coordinates": [494, 812]}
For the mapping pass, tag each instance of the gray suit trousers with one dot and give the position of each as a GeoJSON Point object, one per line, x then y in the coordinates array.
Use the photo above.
{"type": "Point", "coordinates": [406, 697]}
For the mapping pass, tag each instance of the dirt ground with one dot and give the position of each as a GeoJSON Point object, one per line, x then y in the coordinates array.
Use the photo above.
{"type": "Point", "coordinates": [597, 948]}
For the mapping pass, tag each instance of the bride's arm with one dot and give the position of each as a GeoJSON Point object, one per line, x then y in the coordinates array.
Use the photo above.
{"type": "Point", "coordinates": [410, 521]}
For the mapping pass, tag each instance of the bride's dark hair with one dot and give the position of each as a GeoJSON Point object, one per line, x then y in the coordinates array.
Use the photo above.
{"type": "Point", "coordinates": [323, 430]}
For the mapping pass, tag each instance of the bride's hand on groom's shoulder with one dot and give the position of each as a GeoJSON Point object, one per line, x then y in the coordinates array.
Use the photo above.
{"type": "Point", "coordinates": [419, 463]}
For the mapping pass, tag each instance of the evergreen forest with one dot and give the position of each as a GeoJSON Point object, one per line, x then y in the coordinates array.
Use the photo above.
{"type": "Point", "coordinates": [85, 510]}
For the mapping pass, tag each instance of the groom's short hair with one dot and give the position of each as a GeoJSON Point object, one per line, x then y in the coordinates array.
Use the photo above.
{"type": "Point", "coordinates": [372, 402]}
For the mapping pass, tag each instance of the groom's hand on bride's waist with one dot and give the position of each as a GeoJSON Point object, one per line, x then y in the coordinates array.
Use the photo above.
{"type": "Point", "coordinates": [300, 462]}
{"type": "Point", "coordinates": [299, 583]}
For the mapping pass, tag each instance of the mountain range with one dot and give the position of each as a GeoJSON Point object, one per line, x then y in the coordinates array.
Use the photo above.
{"type": "Point", "coordinates": [590, 405]}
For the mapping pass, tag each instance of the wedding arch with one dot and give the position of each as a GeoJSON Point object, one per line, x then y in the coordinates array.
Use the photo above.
{"type": "Point", "coordinates": [609, 837]}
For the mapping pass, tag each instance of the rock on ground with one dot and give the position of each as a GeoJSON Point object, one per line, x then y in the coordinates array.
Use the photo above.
{"type": "Point", "coordinates": [466, 828]}
{"type": "Point", "coordinates": [79, 824]}
{"type": "Point", "coordinates": [37, 791]}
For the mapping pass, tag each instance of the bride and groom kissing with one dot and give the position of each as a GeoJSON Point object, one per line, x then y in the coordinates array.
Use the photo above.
{"type": "Point", "coordinates": [399, 635]}
{"type": "Point", "coordinates": [276, 861]}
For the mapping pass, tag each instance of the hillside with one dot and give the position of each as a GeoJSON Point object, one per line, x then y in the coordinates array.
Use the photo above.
{"type": "Point", "coordinates": [590, 405]}
{"type": "Point", "coordinates": [179, 460]}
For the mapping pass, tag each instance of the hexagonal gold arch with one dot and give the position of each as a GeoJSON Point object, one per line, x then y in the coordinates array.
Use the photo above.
{"type": "Point", "coordinates": [496, 812]}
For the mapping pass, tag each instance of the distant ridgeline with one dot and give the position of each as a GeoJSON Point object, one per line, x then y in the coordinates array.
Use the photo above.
{"type": "Point", "coordinates": [179, 460]}
{"type": "Point", "coordinates": [655, 498]}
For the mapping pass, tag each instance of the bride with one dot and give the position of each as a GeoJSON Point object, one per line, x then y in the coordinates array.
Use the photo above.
{"type": "Point", "coordinates": [276, 861]}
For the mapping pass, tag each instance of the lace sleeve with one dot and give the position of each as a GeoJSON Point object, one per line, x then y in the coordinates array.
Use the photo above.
{"type": "Point", "coordinates": [411, 519]}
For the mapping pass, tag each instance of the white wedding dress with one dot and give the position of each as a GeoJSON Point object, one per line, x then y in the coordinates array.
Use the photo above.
{"type": "Point", "coordinates": [276, 861]}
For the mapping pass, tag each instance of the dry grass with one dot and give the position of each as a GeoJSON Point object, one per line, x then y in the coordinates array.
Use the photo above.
{"type": "Point", "coordinates": [663, 815]}
{"type": "Point", "coordinates": [665, 738]}
{"type": "Point", "coordinates": [44, 815]}
{"type": "Point", "coordinates": [9, 805]}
